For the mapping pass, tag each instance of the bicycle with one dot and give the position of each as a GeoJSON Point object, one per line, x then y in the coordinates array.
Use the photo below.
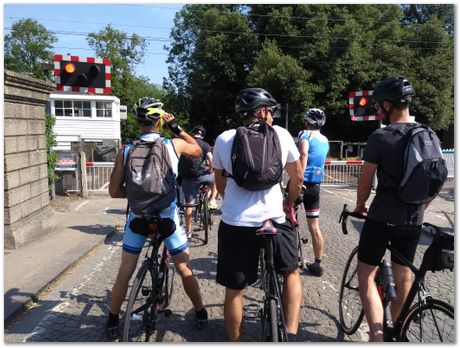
{"type": "Point", "coordinates": [272, 313]}
{"type": "Point", "coordinates": [152, 288]}
{"type": "Point", "coordinates": [201, 213]}
{"type": "Point", "coordinates": [415, 320]}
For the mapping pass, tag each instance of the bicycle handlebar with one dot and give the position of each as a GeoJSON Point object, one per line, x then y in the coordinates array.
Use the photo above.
{"type": "Point", "coordinates": [344, 216]}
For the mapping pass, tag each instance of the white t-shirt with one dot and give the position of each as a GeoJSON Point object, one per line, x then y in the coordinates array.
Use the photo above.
{"type": "Point", "coordinates": [242, 207]}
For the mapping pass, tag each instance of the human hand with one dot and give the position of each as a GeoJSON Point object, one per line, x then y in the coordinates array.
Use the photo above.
{"type": "Point", "coordinates": [362, 210]}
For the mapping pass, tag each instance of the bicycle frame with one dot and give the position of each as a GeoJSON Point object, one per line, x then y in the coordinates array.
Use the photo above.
{"type": "Point", "coordinates": [270, 282]}
{"type": "Point", "coordinates": [418, 288]}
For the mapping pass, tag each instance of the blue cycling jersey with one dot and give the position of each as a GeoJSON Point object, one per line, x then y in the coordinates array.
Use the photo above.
{"type": "Point", "coordinates": [317, 151]}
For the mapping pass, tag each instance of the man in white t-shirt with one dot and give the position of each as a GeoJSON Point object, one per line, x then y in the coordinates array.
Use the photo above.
{"type": "Point", "coordinates": [244, 211]}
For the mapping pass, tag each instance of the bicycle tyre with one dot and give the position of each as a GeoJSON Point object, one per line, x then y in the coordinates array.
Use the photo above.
{"type": "Point", "coordinates": [205, 218]}
{"type": "Point", "coordinates": [274, 320]}
{"type": "Point", "coordinates": [168, 284]}
{"type": "Point", "coordinates": [350, 308]}
{"type": "Point", "coordinates": [139, 309]}
{"type": "Point", "coordinates": [419, 326]}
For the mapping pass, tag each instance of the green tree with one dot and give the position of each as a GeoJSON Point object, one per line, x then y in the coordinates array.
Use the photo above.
{"type": "Point", "coordinates": [51, 156]}
{"type": "Point", "coordinates": [27, 46]}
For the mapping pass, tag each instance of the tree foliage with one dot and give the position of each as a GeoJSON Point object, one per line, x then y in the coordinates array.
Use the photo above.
{"type": "Point", "coordinates": [51, 156]}
{"type": "Point", "coordinates": [310, 56]}
{"type": "Point", "coordinates": [27, 46]}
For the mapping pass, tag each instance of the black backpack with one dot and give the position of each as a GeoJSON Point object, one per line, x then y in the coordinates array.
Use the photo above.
{"type": "Point", "coordinates": [424, 168]}
{"type": "Point", "coordinates": [149, 177]}
{"type": "Point", "coordinates": [192, 167]}
{"type": "Point", "coordinates": [256, 157]}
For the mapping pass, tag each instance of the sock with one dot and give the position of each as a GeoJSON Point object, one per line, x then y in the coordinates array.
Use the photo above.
{"type": "Point", "coordinates": [113, 320]}
{"type": "Point", "coordinates": [202, 314]}
{"type": "Point", "coordinates": [291, 337]}
{"type": "Point", "coordinates": [317, 261]}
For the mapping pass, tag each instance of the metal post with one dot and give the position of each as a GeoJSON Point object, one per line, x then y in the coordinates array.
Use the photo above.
{"type": "Point", "coordinates": [84, 182]}
{"type": "Point", "coordinates": [287, 116]}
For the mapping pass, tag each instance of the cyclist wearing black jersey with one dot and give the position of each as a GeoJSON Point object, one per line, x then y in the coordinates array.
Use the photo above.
{"type": "Point", "coordinates": [390, 220]}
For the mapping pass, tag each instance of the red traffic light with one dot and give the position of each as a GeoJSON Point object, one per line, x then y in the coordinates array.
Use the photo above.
{"type": "Point", "coordinates": [362, 102]}
{"type": "Point", "coordinates": [69, 68]}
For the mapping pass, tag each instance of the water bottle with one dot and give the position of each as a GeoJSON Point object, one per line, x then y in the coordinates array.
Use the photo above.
{"type": "Point", "coordinates": [388, 282]}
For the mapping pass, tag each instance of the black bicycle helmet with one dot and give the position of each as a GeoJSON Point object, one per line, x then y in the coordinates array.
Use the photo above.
{"type": "Point", "coordinates": [315, 117]}
{"type": "Point", "coordinates": [394, 89]}
{"type": "Point", "coordinates": [249, 99]}
{"type": "Point", "coordinates": [149, 109]}
{"type": "Point", "coordinates": [199, 130]}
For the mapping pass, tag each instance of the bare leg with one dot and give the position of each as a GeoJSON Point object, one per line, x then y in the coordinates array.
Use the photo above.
{"type": "Point", "coordinates": [188, 219]}
{"type": "Point", "coordinates": [403, 280]}
{"type": "Point", "coordinates": [316, 237]}
{"type": "Point", "coordinates": [292, 299]}
{"type": "Point", "coordinates": [370, 299]}
{"type": "Point", "coordinates": [233, 313]}
{"type": "Point", "coordinates": [191, 286]}
{"type": "Point", "coordinates": [120, 287]}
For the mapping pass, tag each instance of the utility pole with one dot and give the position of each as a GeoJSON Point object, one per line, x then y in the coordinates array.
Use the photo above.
{"type": "Point", "coordinates": [287, 116]}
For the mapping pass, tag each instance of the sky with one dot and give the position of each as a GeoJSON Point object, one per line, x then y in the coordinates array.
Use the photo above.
{"type": "Point", "coordinates": [71, 23]}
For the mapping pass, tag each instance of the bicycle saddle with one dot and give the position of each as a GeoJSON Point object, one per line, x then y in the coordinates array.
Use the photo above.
{"type": "Point", "coordinates": [266, 229]}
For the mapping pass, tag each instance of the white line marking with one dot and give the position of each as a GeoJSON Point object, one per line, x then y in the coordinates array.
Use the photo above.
{"type": "Point", "coordinates": [81, 205]}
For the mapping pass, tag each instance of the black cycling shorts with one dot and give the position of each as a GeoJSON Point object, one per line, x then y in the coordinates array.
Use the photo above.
{"type": "Point", "coordinates": [311, 200]}
{"type": "Point", "coordinates": [376, 235]}
{"type": "Point", "coordinates": [238, 254]}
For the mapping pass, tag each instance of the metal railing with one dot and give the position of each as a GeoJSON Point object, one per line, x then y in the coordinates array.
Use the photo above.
{"type": "Point", "coordinates": [98, 175]}
{"type": "Point", "coordinates": [336, 173]}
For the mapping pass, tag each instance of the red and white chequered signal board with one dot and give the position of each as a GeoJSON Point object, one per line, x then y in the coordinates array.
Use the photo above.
{"type": "Point", "coordinates": [57, 74]}
{"type": "Point", "coordinates": [351, 106]}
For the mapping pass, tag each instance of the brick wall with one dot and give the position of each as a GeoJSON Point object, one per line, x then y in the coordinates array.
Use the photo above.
{"type": "Point", "coordinates": [26, 197]}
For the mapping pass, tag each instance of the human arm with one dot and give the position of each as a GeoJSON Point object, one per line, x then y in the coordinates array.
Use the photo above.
{"type": "Point", "coordinates": [116, 189]}
{"type": "Point", "coordinates": [184, 143]}
{"type": "Point", "coordinates": [209, 161]}
{"type": "Point", "coordinates": [220, 180]}
{"type": "Point", "coordinates": [364, 186]}
{"type": "Point", "coordinates": [294, 170]}
{"type": "Point", "coordinates": [303, 149]}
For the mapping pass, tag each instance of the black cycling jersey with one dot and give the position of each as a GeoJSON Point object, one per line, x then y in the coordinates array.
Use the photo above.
{"type": "Point", "coordinates": [385, 147]}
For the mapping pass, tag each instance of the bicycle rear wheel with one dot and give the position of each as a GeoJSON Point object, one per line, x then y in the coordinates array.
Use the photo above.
{"type": "Point", "coordinates": [431, 322]}
{"type": "Point", "coordinates": [350, 309]}
{"type": "Point", "coordinates": [167, 286]}
{"type": "Point", "coordinates": [270, 321]}
{"type": "Point", "coordinates": [139, 316]}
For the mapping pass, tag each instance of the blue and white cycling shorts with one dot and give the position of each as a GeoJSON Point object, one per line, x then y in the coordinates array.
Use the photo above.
{"type": "Point", "coordinates": [176, 242]}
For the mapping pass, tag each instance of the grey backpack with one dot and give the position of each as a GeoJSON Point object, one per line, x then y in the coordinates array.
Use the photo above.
{"type": "Point", "coordinates": [149, 177]}
{"type": "Point", "coordinates": [424, 168]}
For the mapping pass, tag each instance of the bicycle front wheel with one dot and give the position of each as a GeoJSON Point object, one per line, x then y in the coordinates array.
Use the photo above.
{"type": "Point", "coordinates": [205, 218]}
{"type": "Point", "coordinates": [350, 308]}
{"type": "Point", "coordinates": [431, 322]}
{"type": "Point", "coordinates": [139, 316]}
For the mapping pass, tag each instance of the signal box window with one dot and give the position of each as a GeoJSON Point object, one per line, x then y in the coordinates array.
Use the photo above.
{"type": "Point", "coordinates": [72, 108]}
{"type": "Point", "coordinates": [103, 109]}
{"type": "Point", "coordinates": [82, 108]}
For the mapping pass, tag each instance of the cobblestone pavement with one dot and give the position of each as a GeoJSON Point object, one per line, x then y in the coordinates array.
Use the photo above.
{"type": "Point", "coordinates": [75, 310]}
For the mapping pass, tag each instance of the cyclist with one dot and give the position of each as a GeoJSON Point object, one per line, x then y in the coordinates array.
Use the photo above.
{"type": "Point", "coordinates": [313, 148]}
{"type": "Point", "coordinates": [194, 172]}
{"type": "Point", "coordinates": [150, 118]}
{"type": "Point", "coordinates": [389, 219]}
{"type": "Point", "coordinates": [243, 211]}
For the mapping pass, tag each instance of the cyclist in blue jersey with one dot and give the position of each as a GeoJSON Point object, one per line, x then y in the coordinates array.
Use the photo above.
{"type": "Point", "coordinates": [313, 148]}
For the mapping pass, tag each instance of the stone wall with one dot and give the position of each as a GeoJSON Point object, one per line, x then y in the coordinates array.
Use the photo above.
{"type": "Point", "coordinates": [26, 198]}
